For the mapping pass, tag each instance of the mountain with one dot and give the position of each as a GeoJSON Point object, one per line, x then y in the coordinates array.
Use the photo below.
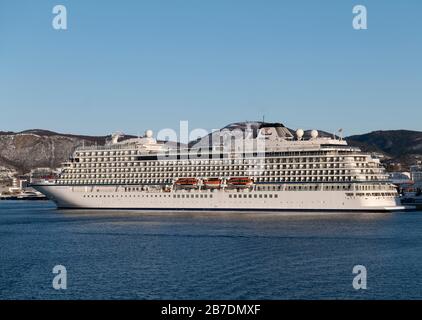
{"type": "Point", "coordinates": [30, 149]}
{"type": "Point", "coordinates": [402, 147]}
{"type": "Point", "coordinates": [398, 148]}
{"type": "Point", "coordinates": [23, 151]}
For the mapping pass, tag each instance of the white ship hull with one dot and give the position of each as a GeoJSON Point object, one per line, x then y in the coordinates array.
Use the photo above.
{"type": "Point", "coordinates": [115, 197]}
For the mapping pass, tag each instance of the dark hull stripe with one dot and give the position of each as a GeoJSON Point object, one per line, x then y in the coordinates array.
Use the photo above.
{"type": "Point", "coordinates": [231, 209]}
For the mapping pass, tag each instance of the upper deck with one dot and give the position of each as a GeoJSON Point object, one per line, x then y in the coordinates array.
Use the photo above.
{"type": "Point", "coordinates": [267, 139]}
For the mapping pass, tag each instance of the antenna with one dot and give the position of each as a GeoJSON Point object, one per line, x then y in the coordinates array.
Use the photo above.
{"type": "Point", "coordinates": [263, 118]}
{"type": "Point", "coordinates": [340, 133]}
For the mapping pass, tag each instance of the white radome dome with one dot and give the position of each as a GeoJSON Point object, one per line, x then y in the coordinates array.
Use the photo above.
{"type": "Point", "coordinates": [149, 133]}
{"type": "Point", "coordinates": [314, 134]}
{"type": "Point", "coordinates": [300, 133]}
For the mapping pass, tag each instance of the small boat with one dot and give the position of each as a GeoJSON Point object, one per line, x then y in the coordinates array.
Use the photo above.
{"type": "Point", "coordinates": [412, 199]}
{"type": "Point", "coordinates": [212, 183]}
{"type": "Point", "coordinates": [241, 182]}
{"type": "Point", "coordinates": [24, 195]}
{"type": "Point", "coordinates": [187, 182]}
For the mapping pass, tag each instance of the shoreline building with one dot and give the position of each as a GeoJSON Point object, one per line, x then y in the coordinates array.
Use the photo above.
{"type": "Point", "coordinates": [416, 175]}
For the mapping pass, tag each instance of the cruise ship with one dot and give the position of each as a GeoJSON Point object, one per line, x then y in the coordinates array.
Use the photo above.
{"type": "Point", "coordinates": [270, 168]}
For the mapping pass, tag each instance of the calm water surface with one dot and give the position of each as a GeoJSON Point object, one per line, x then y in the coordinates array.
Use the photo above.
{"type": "Point", "coordinates": [135, 255]}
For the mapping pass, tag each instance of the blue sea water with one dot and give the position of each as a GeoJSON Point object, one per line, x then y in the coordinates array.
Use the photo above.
{"type": "Point", "coordinates": [158, 255]}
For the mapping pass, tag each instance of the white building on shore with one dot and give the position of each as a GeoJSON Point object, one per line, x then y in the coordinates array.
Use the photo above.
{"type": "Point", "coordinates": [416, 175]}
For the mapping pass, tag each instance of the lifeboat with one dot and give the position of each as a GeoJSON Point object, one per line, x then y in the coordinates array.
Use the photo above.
{"type": "Point", "coordinates": [187, 182]}
{"type": "Point", "coordinates": [212, 183]}
{"type": "Point", "coordinates": [241, 182]}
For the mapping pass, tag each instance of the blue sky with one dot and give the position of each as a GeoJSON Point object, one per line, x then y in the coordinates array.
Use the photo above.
{"type": "Point", "coordinates": [132, 65]}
